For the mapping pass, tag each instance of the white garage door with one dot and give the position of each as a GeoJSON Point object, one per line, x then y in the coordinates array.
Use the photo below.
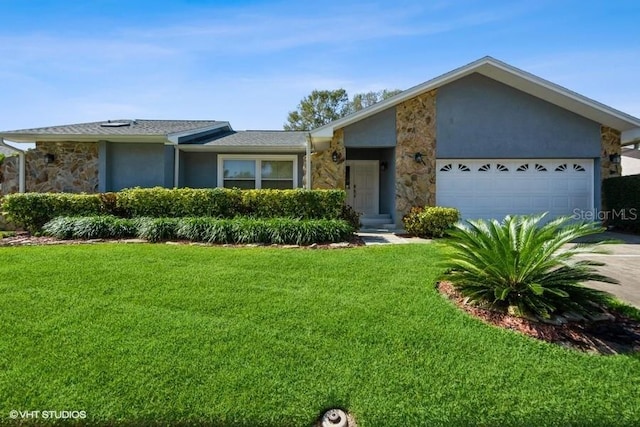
{"type": "Point", "coordinates": [491, 188]}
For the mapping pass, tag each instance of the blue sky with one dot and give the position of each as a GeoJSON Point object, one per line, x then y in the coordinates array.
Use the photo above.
{"type": "Point", "coordinates": [250, 62]}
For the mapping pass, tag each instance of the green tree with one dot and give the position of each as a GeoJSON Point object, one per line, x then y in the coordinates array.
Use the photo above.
{"type": "Point", "coordinates": [317, 109]}
{"type": "Point", "coordinates": [367, 99]}
{"type": "Point", "coordinates": [324, 106]}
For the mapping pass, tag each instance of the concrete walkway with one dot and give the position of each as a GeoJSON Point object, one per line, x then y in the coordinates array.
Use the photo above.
{"type": "Point", "coordinates": [383, 237]}
{"type": "Point", "coordinates": [622, 263]}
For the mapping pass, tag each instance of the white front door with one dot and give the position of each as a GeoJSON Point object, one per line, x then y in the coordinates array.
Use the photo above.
{"type": "Point", "coordinates": [362, 184]}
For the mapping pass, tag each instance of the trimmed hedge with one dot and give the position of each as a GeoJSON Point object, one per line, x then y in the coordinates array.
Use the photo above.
{"type": "Point", "coordinates": [33, 210]}
{"type": "Point", "coordinates": [165, 202]}
{"type": "Point", "coordinates": [430, 221]}
{"type": "Point", "coordinates": [622, 200]}
{"type": "Point", "coordinates": [228, 203]}
{"type": "Point", "coordinates": [202, 229]}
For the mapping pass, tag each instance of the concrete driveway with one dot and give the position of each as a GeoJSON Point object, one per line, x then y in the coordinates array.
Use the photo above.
{"type": "Point", "coordinates": [623, 264]}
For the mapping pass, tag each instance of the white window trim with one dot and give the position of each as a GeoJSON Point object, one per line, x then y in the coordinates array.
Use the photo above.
{"type": "Point", "coordinates": [258, 159]}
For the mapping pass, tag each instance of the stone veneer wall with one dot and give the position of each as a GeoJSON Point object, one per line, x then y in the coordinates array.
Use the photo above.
{"type": "Point", "coordinates": [74, 169]}
{"type": "Point", "coordinates": [9, 175]}
{"type": "Point", "coordinates": [416, 133]}
{"type": "Point", "coordinates": [610, 144]}
{"type": "Point", "coordinates": [325, 173]}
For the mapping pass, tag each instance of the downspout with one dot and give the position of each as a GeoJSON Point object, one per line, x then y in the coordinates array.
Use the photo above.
{"type": "Point", "coordinates": [176, 166]}
{"type": "Point", "coordinates": [22, 165]}
{"type": "Point", "coordinates": [308, 163]}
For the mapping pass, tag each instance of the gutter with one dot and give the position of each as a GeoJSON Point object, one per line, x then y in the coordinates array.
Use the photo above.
{"type": "Point", "coordinates": [22, 166]}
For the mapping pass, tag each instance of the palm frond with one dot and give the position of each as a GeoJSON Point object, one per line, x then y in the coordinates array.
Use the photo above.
{"type": "Point", "coordinates": [526, 263]}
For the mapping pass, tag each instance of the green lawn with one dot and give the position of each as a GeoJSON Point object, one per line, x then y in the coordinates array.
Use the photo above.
{"type": "Point", "coordinates": [271, 337]}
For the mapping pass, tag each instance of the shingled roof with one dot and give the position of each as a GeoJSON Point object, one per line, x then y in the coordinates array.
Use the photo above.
{"type": "Point", "coordinates": [265, 138]}
{"type": "Point", "coordinates": [122, 127]}
{"type": "Point", "coordinates": [190, 135]}
{"type": "Point", "coordinates": [249, 141]}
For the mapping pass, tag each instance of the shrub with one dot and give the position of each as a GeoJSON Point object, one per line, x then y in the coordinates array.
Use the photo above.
{"type": "Point", "coordinates": [33, 210]}
{"type": "Point", "coordinates": [229, 203]}
{"type": "Point", "coordinates": [622, 199]}
{"type": "Point", "coordinates": [263, 230]}
{"type": "Point", "coordinates": [351, 216]}
{"type": "Point", "coordinates": [89, 227]}
{"type": "Point", "coordinates": [156, 229]}
{"type": "Point", "coordinates": [430, 221]}
{"type": "Point", "coordinates": [202, 229]}
{"type": "Point", "coordinates": [164, 202]}
{"type": "Point", "coordinates": [305, 204]}
{"type": "Point", "coordinates": [304, 232]}
{"type": "Point", "coordinates": [109, 205]}
{"type": "Point", "coordinates": [524, 265]}
{"type": "Point", "coordinates": [205, 229]}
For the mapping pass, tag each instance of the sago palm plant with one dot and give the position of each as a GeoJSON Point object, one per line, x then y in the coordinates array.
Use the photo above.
{"type": "Point", "coordinates": [527, 265]}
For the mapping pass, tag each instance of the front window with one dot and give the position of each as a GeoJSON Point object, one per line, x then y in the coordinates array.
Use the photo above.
{"type": "Point", "coordinates": [276, 174]}
{"type": "Point", "coordinates": [240, 174]}
{"type": "Point", "coordinates": [248, 172]}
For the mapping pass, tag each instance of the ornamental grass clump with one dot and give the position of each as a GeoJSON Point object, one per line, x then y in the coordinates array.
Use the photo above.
{"type": "Point", "coordinates": [525, 266]}
{"type": "Point", "coordinates": [89, 227]}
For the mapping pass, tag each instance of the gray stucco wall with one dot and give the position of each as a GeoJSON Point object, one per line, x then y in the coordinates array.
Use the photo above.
{"type": "Point", "coordinates": [478, 117]}
{"type": "Point", "coordinates": [387, 185]}
{"type": "Point", "coordinates": [169, 166]}
{"type": "Point", "coordinates": [378, 130]}
{"type": "Point", "coordinates": [134, 164]}
{"type": "Point", "coordinates": [198, 169]}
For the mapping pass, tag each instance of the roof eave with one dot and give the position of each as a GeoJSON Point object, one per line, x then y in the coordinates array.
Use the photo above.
{"type": "Point", "coordinates": [35, 137]}
{"type": "Point", "coordinates": [631, 136]}
{"type": "Point", "coordinates": [557, 95]}
{"type": "Point", "coordinates": [243, 148]}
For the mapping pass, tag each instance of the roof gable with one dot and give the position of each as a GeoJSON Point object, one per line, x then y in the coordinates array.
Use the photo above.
{"type": "Point", "coordinates": [511, 76]}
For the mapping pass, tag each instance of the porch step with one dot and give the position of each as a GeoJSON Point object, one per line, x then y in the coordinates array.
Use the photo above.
{"type": "Point", "coordinates": [376, 221]}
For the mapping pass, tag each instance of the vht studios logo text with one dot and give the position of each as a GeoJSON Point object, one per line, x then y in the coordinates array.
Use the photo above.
{"type": "Point", "coordinates": [48, 415]}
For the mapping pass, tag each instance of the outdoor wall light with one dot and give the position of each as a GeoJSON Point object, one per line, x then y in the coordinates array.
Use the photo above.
{"type": "Point", "coordinates": [384, 166]}
{"type": "Point", "coordinates": [49, 158]}
{"type": "Point", "coordinates": [418, 158]}
{"type": "Point", "coordinates": [335, 156]}
{"type": "Point", "coordinates": [615, 158]}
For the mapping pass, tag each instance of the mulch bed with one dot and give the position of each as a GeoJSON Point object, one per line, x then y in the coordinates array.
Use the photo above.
{"type": "Point", "coordinates": [616, 334]}
{"type": "Point", "coordinates": [26, 239]}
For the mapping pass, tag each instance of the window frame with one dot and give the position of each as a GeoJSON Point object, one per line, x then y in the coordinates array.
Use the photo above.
{"type": "Point", "coordinates": [258, 159]}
